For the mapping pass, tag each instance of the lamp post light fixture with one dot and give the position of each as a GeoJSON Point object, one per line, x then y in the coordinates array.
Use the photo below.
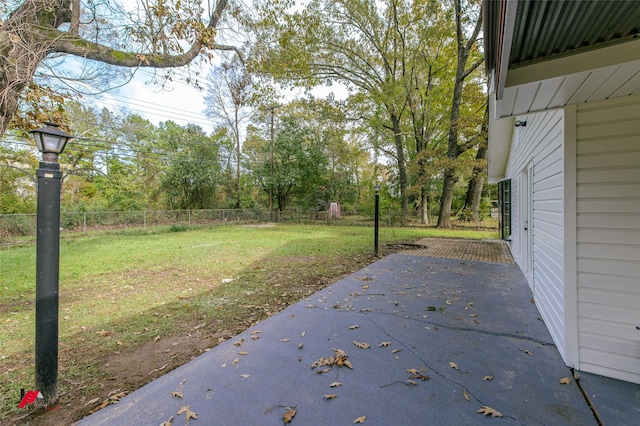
{"type": "Point", "coordinates": [376, 216]}
{"type": "Point", "coordinates": [50, 141]}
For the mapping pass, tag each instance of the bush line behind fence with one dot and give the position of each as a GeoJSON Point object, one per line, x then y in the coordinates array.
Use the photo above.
{"type": "Point", "coordinates": [13, 225]}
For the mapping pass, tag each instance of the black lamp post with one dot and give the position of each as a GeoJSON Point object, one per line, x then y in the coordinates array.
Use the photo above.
{"type": "Point", "coordinates": [376, 216]}
{"type": "Point", "coordinates": [50, 142]}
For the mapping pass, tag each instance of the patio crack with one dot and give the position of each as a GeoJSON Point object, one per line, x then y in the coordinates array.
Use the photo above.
{"type": "Point", "coordinates": [437, 372]}
{"type": "Point", "coordinates": [477, 330]}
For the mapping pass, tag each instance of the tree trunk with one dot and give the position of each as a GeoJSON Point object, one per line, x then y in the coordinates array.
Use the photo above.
{"type": "Point", "coordinates": [402, 169]}
{"type": "Point", "coordinates": [424, 206]}
{"type": "Point", "coordinates": [471, 209]}
{"type": "Point", "coordinates": [21, 51]}
{"type": "Point", "coordinates": [444, 216]}
{"type": "Point", "coordinates": [239, 183]}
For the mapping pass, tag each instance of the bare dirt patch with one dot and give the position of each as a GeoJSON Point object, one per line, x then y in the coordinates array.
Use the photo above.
{"type": "Point", "coordinates": [93, 373]}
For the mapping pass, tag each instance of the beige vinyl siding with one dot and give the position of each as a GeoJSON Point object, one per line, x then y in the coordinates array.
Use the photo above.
{"type": "Point", "coordinates": [541, 143]}
{"type": "Point", "coordinates": [608, 237]}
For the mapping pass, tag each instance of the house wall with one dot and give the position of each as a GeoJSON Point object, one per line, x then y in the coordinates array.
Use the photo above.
{"type": "Point", "coordinates": [536, 154]}
{"type": "Point", "coordinates": [608, 237]}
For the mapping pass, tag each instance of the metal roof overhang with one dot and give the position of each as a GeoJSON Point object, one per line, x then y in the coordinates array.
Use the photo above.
{"type": "Point", "coordinates": [544, 54]}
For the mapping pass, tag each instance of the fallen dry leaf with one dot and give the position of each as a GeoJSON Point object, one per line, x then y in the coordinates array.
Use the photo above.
{"type": "Point", "coordinates": [325, 370]}
{"type": "Point", "coordinates": [454, 365]}
{"type": "Point", "coordinates": [466, 395]}
{"type": "Point", "coordinates": [113, 399]}
{"type": "Point", "coordinates": [415, 374]}
{"type": "Point", "coordinates": [235, 361]}
{"type": "Point", "coordinates": [335, 385]}
{"type": "Point", "coordinates": [168, 422]}
{"type": "Point", "coordinates": [188, 414]}
{"type": "Point", "coordinates": [527, 352]}
{"type": "Point", "coordinates": [361, 345]}
{"type": "Point", "coordinates": [177, 394]}
{"type": "Point", "coordinates": [384, 344]}
{"type": "Point", "coordinates": [330, 396]}
{"type": "Point", "coordinates": [360, 419]}
{"type": "Point", "coordinates": [565, 381]}
{"type": "Point", "coordinates": [353, 327]}
{"type": "Point", "coordinates": [93, 401]}
{"type": "Point", "coordinates": [288, 416]}
{"type": "Point", "coordinates": [245, 376]}
{"type": "Point", "coordinates": [284, 340]}
{"type": "Point", "coordinates": [243, 353]}
{"type": "Point", "coordinates": [239, 342]}
{"type": "Point", "coordinates": [300, 345]}
{"type": "Point", "coordinates": [339, 359]}
{"type": "Point", "coordinates": [103, 333]}
{"type": "Point", "coordinates": [487, 378]}
{"type": "Point", "coordinates": [395, 351]}
{"type": "Point", "coordinates": [489, 411]}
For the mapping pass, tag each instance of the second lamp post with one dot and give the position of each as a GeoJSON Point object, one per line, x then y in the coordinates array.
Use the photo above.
{"type": "Point", "coordinates": [376, 219]}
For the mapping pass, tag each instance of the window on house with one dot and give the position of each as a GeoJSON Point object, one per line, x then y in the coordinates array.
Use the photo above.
{"type": "Point", "coordinates": [504, 201]}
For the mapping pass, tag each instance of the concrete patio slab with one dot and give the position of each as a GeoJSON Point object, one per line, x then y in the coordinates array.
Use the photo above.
{"type": "Point", "coordinates": [455, 322]}
{"type": "Point", "coordinates": [616, 403]}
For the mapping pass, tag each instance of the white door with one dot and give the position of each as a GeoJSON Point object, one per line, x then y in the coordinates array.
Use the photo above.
{"type": "Point", "coordinates": [526, 231]}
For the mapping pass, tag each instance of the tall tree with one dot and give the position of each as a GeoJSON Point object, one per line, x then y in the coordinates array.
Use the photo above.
{"type": "Point", "coordinates": [227, 101]}
{"type": "Point", "coordinates": [364, 44]}
{"type": "Point", "coordinates": [193, 167]}
{"type": "Point", "coordinates": [468, 16]}
{"type": "Point", "coordinates": [298, 170]}
{"type": "Point", "coordinates": [429, 82]}
{"type": "Point", "coordinates": [35, 33]}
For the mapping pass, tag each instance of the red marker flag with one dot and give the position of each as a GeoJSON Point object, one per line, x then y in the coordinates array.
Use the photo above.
{"type": "Point", "coordinates": [29, 398]}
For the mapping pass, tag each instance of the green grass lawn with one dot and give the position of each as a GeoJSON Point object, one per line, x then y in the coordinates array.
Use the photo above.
{"type": "Point", "coordinates": [120, 291]}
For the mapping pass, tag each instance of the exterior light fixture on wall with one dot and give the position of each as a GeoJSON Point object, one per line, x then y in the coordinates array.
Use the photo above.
{"type": "Point", "coordinates": [521, 123]}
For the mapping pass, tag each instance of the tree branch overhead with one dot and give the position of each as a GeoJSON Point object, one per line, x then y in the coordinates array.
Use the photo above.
{"type": "Point", "coordinates": [37, 29]}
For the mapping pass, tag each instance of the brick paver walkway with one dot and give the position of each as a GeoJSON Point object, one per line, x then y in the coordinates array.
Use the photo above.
{"type": "Point", "coordinates": [495, 251]}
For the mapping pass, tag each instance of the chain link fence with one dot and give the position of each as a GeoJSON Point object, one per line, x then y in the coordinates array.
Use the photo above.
{"type": "Point", "coordinates": [20, 225]}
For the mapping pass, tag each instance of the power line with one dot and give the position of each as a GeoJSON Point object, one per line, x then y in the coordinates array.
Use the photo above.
{"type": "Point", "coordinates": [162, 111]}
